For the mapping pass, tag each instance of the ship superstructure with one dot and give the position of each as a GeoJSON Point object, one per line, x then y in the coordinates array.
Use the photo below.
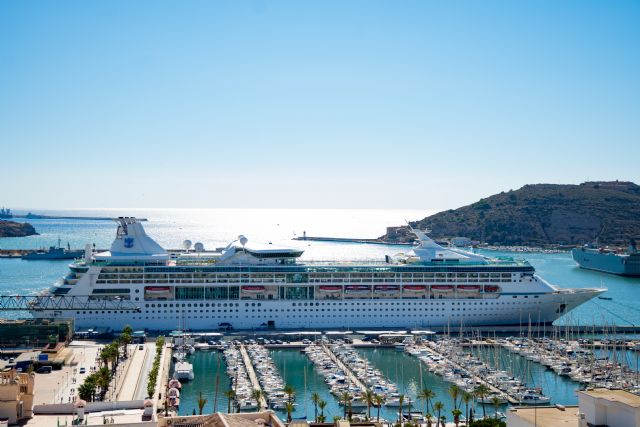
{"type": "Point", "coordinates": [249, 286]}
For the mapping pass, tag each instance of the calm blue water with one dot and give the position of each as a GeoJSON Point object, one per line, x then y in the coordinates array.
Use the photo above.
{"type": "Point", "coordinates": [216, 227]}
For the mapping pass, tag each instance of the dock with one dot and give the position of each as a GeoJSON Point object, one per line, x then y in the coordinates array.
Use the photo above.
{"type": "Point", "coordinates": [352, 377]}
{"type": "Point", "coordinates": [252, 375]}
{"type": "Point", "coordinates": [490, 386]}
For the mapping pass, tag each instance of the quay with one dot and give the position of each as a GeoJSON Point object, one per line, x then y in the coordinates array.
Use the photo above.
{"type": "Point", "coordinates": [352, 377]}
{"type": "Point", "coordinates": [252, 375]}
{"type": "Point", "coordinates": [348, 240]}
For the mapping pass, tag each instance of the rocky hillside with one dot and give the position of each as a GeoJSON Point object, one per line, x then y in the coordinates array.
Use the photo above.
{"type": "Point", "coordinates": [543, 214]}
{"type": "Point", "coordinates": [16, 229]}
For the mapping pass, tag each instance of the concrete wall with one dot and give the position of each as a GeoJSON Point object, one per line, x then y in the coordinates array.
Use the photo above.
{"type": "Point", "coordinates": [608, 413]}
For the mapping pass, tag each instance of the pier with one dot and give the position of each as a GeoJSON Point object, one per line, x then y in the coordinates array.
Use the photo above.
{"type": "Point", "coordinates": [510, 398]}
{"type": "Point", "coordinates": [352, 377]}
{"type": "Point", "coordinates": [252, 375]}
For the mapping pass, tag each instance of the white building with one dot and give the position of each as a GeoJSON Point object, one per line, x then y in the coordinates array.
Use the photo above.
{"type": "Point", "coordinates": [613, 408]}
{"type": "Point", "coordinates": [597, 407]}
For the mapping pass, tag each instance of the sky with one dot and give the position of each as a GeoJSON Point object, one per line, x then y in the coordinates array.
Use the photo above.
{"type": "Point", "coordinates": [312, 104]}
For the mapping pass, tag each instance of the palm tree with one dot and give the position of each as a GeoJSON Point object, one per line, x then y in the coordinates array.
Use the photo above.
{"type": "Point", "coordinates": [127, 329]}
{"type": "Point", "coordinates": [290, 392]}
{"type": "Point", "coordinates": [368, 397]}
{"type": "Point", "coordinates": [454, 392]}
{"type": "Point", "coordinates": [429, 418]}
{"type": "Point", "coordinates": [315, 398]}
{"type": "Point", "coordinates": [257, 394]}
{"type": "Point", "coordinates": [466, 398]}
{"type": "Point", "coordinates": [201, 402]}
{"type": "Point", "coordinates": [230, 395]}
{"type": "Point", "coordinates": [443, 421]}
{"type": "Point", "coordinates": [427, 395]}
{"type": "Point", "coordinates": [401, 402]}
{"type": "Point", "coordinates": [379, 400]}
{"type": "Point", "coordinates": [496, 405]}
{"type": "Point", "coordinates": [345, 398]}
{"type": "Point", "coordinates": [456, 416]}
{"type": "Point", "coordinates": [321, 404]}
{"type": "Point", "coordinates": [288, 406]}
{"type": "Point", "coordinates": [438, 406]}
{"type": "Point", "coordinates": [87, 390]}
{"type": "Point", "coordinates": [481, 392]}
{"type": "Point", "coordinates": [336, 418]}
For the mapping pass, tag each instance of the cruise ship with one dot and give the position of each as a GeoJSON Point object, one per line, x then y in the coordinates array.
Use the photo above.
{"type": "Point", "coordinates": [253, 286]}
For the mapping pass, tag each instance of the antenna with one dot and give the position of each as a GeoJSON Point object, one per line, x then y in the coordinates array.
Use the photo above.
{"type": "Point", "coordinates": [199, 247]}
{"type": "Point", "coordinates": [243, 240]}
{"type": "Point", "coordinates": [187, 245]}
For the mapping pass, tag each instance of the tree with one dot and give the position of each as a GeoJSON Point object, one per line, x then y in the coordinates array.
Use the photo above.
{"type": "Point", "coordinates": [368, 398]}
{"type": "Point", "coordinates": [454, 392]}
{"type": "Point", "coordinates": [257, 395]}
{"type": "Point", "coordinates": [201, 402]}
{"type": "Point", "coordinates": [288, 406]}
{"type": "Point", "coordinates": [315, 398]}
{"type": "Point", "coordinates": [230, 395]}
{"type": "Point", "coordinates": [400, 402]}
{"type": "Point", "coordinates": [456, 416]}
{"type": "Point", "coordinates": [290, 392]}
{"type": "Point", "coordinates": [496, 405]}
{"type": "Point", "coordinates": [427, 395]}
{"type": "Point", "coordinates": [127, 329]}
{"type": "Point", "coordinates": [466, 398]}
{"type": "Point", "coordinates": [488, 422]}
{"type": "Point", "coordinates": [345, 398]}
{"type": "Point", "coordinates": [443, 421]}
{"type": "Point", "coordinates": [322, 404]}
{"type": "Point", "coordinates": [87, 390]}
{"type": "Point", "coordinates": [438, 406]}
{"type": "Point", "coordinates": [481, 392]}
{"type": "Point", "coordinates": [379, 400]}
{"type": "Point", "coordinates": [429, 418]}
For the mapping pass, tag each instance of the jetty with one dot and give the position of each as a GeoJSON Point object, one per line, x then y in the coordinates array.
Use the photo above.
{"type": "Point", "coordinates": [347, 370]}
{"type": "Point", "coordinates": [252, 375]}
{"type": "Point", "coordinates": [476, 378]}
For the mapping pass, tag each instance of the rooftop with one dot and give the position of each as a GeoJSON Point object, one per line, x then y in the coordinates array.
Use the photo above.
{"type": "Point", "coordinates": [621, 396]}
{"type": "Point", "coordinates": [547, 416]}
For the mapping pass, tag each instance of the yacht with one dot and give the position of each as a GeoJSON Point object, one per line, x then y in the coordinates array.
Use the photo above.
{"type": "Point", "coordinates": [253, 286]}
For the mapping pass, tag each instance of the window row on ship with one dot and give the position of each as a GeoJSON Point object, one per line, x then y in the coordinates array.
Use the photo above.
{"type": "Point", "coordinates": [154, 278]}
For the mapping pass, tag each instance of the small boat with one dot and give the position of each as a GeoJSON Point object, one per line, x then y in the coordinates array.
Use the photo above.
{"type": "Point", "coordinates": [328, 288]}
{"type": "Point", "coordinates": [253, 289]}
{"type": "Point", "coordinates": [442, 288]}
{"type": "Point", "coordinates": [183, 371]}
{"type": "Point", "coordinates": [357, 289]}
{"type": "Point", "coordinates": [468, 288]}
{"type": "Point", "coordinates": [156, 289]}
{"type": "Point", "coordinates": [414, 288]}
{"type": "Point", "coordinates": [386, 288]}
{"type": "Point", "coordinates": [605, 298]}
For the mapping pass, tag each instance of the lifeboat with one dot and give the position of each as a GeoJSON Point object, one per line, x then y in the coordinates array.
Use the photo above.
{"type": "Point", "coordinates": [442, 288]}
{"type": "Point", "coordinates": [414, 288]}
{"type": "Point", "coordinates": [329, 288]}
{"type": "Point", "coordinates": [468, 288]}
{"type": "Point", "coordinates": [491, 288]}
{"type": "Point", "coordinates": [252, 288]}
{"type": "Point", "coordinates": [157, 289]}
{"type": "Point", "coordinates": [357, 289]}
{"type": "Point", "coordinates": [386, 288]}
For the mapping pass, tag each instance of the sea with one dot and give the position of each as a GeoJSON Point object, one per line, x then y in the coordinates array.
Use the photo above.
{"type": "Point", "coordinates": [215, 228]}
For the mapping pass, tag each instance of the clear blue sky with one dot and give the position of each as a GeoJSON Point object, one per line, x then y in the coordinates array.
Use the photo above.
{"type": "Point", "coordinates": [396, 104]}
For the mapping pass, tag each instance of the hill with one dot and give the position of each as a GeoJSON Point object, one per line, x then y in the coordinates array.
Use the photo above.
{"type": "Point", "coordinates": [541, 215]}
{"type": "Point", "coordinates": [16, 229]}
